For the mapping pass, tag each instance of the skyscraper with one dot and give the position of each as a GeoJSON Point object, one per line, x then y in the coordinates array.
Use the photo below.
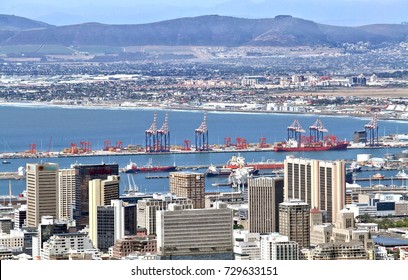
{"type": "Point", "coordinates": [66, 193]}
{"type": "Point", "coordinates": [101, 193]}
{"type": "Point", "coordinates": [294, 221]}
{"type": "Point", "coordinates": [264, 196]}
{"type": "Point", "coordinates": [84, 174]}
{"type": "Point", "coordinates": [319, 183]}
{"type": "Point", "coordinates": [42, 192]}
{"type": "Point", "coordinates": [190, 185]}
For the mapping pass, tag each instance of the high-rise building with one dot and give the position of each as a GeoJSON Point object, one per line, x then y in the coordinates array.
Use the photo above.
{"type": "Point", "coordinates": [294, 221]}
{"type": "Point", "coordinates": [264, 196]}
{"type": "Point", "coordinates": [278, 247]}
{"type": "Point", "coordinates": [190, 185]}
{"type": "Point", "coordinates": [84, 174]}
{"type": "Point", "coordinates": [42, 192]}
{"type": "Point", "coordinates": [119, 219]}
{"type": "Point", "coordinates": [130, 218]}
{"type": "Point", "coordinates": [66, 193]}
{"type": "Point", "coordinates": [195, 233]}
{"type": "Point", "coordinates": [147, 208]}
{"type": "Point", "coordinates": [105, 228]}
{"type": "Point", "coordinates": [319, 183]}
{"type": "Point", "coordinates": [101, 193]}
{"type": "Point", "coordinates": [20, 216]}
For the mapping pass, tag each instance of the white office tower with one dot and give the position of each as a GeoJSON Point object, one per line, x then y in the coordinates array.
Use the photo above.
{"type": "Point", "coordinates": [42, 192]}
{"type": "Point", "coordinates": [119, 218]}
{"type": "Point", "coordinates": [66, 193]}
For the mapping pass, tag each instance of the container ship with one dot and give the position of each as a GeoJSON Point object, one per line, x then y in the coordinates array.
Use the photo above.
{"type": "Point", "coordinates": [132, 167]}
{"type": "Point", "coordinates": [314, 142]}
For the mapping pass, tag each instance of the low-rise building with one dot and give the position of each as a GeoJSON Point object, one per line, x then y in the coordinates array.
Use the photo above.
{"type": "Point", "coordinates": [278, 247]}
{"type": "Point", "coordinates": [353, 250]}
{"type": "Point", "coordinates": [134, 245]}
{"type": "Point", "coordinates": [60, 246]}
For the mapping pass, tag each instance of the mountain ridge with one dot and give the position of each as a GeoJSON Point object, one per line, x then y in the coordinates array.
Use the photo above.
{"type": "Point", "coordinates": [209, 30]}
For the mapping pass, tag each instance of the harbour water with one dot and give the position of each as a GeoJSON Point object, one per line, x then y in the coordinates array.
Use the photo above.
{"type": "Point", "coordinates": [55, 128]}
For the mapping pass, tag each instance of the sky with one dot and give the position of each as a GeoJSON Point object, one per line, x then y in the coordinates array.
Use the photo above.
{"type": "Point", "coordinates": [335, 12]}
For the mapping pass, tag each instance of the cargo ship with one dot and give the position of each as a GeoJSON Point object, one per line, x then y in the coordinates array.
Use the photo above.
{"type": "Point", "coordinates": [293, 146]}
{"type": "Point", "coordinates": [132, 167]}
{"type": "Point", "coordinates": [314, 142]}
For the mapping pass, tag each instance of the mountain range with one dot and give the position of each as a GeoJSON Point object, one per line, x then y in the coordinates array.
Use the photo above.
{"type": "Point", "coordinates": [211, 30]}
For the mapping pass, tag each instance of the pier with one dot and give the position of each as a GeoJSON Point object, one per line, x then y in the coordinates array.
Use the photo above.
{"type": "Point", "coordinates": [11, 176]}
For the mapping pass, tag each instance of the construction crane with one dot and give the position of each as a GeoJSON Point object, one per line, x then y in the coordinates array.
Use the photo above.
{"type": "Point", "coordinates": [201, 136]}
{"type": "Point", "coordinates": [371, 131]}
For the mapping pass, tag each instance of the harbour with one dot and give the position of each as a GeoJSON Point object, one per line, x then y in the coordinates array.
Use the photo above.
{"type": "Point", "coordinates": [43, 127]}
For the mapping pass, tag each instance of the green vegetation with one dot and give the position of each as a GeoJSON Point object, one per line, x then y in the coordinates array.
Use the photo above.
{"type": "Point", "coordinates": [384, 223]}
{"type": "Point", "coordinates": [35, 49]}
{"type": "Point", "coordinates": [238, 227]}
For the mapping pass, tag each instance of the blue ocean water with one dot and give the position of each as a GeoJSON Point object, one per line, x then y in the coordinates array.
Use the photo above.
{"type": "Point", "coordinates": [55, 128]}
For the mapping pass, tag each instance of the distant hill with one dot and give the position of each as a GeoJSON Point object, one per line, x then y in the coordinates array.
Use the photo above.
{"type": "Point", "coordinates": [210, 30]}
{"type": "Point", "coordinates": [13, 23]}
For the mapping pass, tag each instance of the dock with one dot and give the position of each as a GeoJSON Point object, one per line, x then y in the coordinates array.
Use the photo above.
{"type": "Point", "coordinates": [11, 176]}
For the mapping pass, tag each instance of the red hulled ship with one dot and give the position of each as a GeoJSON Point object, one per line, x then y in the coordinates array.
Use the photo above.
{"type": "Point", "coordinates": [314, 142]}
{"type": "Point", "coordinates": [133, 168]}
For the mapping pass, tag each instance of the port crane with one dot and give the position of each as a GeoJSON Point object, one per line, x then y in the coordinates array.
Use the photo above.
{"type": "Point", "coordinates": [201, 136]}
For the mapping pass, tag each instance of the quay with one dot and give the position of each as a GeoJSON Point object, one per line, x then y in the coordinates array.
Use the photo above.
{"type": "Point", "coordinates": [11, 176]}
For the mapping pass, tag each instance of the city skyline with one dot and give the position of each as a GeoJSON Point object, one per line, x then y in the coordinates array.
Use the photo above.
{"type": "Point", "coordinates": [343, 12]}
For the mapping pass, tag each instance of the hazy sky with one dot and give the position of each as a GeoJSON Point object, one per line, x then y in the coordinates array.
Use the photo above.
{"type": "Point", "coordinates": [336, 12]}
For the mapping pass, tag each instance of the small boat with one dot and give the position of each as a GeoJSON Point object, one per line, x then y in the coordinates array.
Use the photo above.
{"type": "Point", "coordinates": [378, 176]}
{"type": "Point", "coordinates": [354, 167]}
{"type": "Point", "coordinates": [6, 162]}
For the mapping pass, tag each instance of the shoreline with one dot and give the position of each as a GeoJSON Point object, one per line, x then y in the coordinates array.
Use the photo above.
{"type": "Point", "coordinates": [114, 107]}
